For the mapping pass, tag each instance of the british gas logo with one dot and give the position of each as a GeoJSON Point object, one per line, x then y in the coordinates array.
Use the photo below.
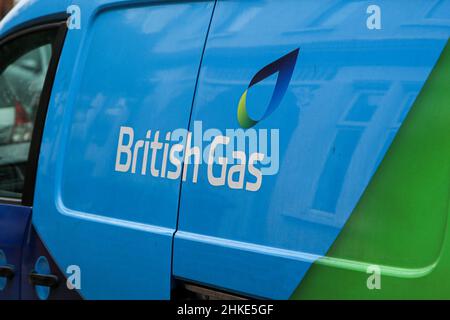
{"type": "Point", "coordinates": [285, 67]}
{"type": "Point", "coordinates": [238, 158]}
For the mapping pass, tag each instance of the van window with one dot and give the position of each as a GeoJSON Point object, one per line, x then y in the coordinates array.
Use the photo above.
{"type": "Point", "coordinates": [24, 63]}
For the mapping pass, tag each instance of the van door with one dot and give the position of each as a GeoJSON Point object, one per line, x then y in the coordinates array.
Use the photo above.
{"type": "Point", "coordinates": [26, 58]}
{"type": "Point", "coordinates": [320, 92]}
{"type": "Point", "coordinates": [106, 205]}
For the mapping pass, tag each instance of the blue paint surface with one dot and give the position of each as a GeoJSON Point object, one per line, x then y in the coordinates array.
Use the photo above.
{"type": "Point", "coordinates": [349, 93]}
{"type": "Point", "coordinates": [130, 64]}
{"type": "Point", "coordinates": [31, 10]}
{"type": "Point", "coordinates": [14, 221]}
{"type": "Point", "coordinates": [42, 266]}
{"type": "Point", "coordinates": [3, 262]}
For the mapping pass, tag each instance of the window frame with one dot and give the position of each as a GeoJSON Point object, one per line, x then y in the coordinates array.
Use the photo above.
{"type": "Point", "coordinates": [60, 26]}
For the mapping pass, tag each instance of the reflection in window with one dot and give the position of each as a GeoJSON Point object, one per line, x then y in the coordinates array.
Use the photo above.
{"type": "Point", "coordinates": [338, 160]}
{"type": "Point", "coordinates": [23, 68]}
{"type": "Point", "coordinates": [364, 107]}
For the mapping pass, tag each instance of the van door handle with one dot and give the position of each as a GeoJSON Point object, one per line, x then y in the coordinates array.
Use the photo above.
{"type": "Point", "coordinates": [45, 280]}
{"type": "Point", "coordinates": [7, 271]}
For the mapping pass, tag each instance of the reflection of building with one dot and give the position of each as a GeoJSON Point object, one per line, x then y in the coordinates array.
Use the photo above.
{"type": "Point", "coordinates": [353, 95]}
{"type": "Point", "coordinates": [5, 6]}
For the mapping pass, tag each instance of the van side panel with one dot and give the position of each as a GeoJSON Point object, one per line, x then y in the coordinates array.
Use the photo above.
{"type": "Point", "coordinates": [351, 90]}
{"type": "Point", "coordinates": [14, 222]}
{"type": "Point", "coordinates": [131, 65]}
{"type": "Point", "coordinates": [402, 215]}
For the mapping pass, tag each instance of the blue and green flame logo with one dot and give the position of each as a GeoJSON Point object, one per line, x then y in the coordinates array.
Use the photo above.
{"type": "Point", "coordinates": [285, 67]}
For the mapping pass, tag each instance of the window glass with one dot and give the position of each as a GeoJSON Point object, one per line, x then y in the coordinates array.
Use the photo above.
{"type": "Point", "coordinates": [24, 63]}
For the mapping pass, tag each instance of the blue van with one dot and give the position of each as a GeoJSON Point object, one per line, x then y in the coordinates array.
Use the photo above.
{"type": "Point", "coordinates": [225, 149]}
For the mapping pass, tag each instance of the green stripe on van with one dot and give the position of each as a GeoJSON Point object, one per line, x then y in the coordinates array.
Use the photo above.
{"type": "Point", "coordinates": [401, 222]}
